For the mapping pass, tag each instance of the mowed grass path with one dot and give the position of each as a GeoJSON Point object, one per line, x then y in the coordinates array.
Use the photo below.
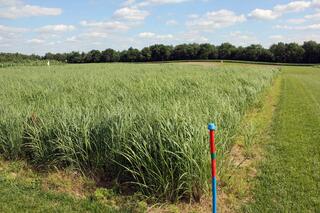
{"type": "Point", "coordinates": [289, 178]}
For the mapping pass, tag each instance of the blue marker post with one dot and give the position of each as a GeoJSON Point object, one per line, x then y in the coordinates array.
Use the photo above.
{"type": "Point", "coordinates": [212, 129]}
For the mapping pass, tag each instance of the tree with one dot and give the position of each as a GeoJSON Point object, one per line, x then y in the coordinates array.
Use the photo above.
{"type": "Point", "coordinates": [266, 55]}
{"type": "Point", "coordinates": [240, 54]}
{"type": "Point", "coordinates": [279, 52]}
{"type": "Point", "coordinates": [294, 53]}
{"type": "Point", "coordinates": [74, 57]}
{"type": "Point", "coordinates": [94, 56]}
{"type": "Point", "coordinates": [131, 55]}
{"type": "Point", "coordinates": [253, 52]}
{"type": "Point", "coordinates": [49, 56]}
{"type": "Point", "coordinates": [160, 52]}
{"type": "Point", "coordinates": [146, 54]}
{"type": "Point", "coordinates": [312, 52]}
{"type": "Point", "coordinates": [180, 52]}
{"type": "Point", "coordinates": [185, 52]}
{"type": "Point", "coordinates": [134, 55]}
{"type": "Point", "coordinates": [60, 57]}
{"type": "Point", "coordinates": [207, 51]}
{"type": "Point", "coordinates": [110, 55]}
{"type": "Point", "coordinates": [226, 51]}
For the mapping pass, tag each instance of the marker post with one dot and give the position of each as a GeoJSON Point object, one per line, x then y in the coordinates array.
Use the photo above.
{"type": "Point", "coordinates": [212, 129]}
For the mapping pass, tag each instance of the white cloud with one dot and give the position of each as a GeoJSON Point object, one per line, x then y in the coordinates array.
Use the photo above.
{"type": "Point", "coordinates": [276, 37]}
{"type": "Point", "coordinates": [316, 3]}
{"type": "Point", "coordinates": [123, 20]}
{"type": "Point", "coordinates": [296, 21]}
{"type": "Point", "coordinates": [11, 36]}
{"type": "Point", "coordinates": [36, 41]}
{"type": "Point", "coordinates": [187, 37]}
{"type": "Point", "coordinates": [309, 27]}
{"type": "Point", "coordinates": [171, 22]}
{"type": "Point", "coordinates": [307, 37]}
{"type": "Point", "coordinates": [97, 31]}
{"type": "Point", "coordinates": [305, 27]}
{"type": "Point", "coordinates": [72, 39]}
{"type": "Point", "coordinates": [215, 20]}
{"type": "Point", "coordinates": [191, 37]}
{"type": "Point", "coordinates": [19, 11]}
{"type": "Point", "coordinates": [165, 1]}
{"type": "Point", "coordinates": [7, 29]}
{"type": "Point", "coordinates": [242, 38]}
{"type": "Point", "coordinates": [129, 2]}
{"type": "Point", "coordinates": [193, 16]}
{"type": "Point", "coordinates": [95, 35]}
{"type": "Point", "coordinates": [165, 37]}
{"type": "Point", "coordinates": [149, 35]}
{"type": "Point", "coordinates": [295, 6]}
{"type": "Point", "coordinates": [9, 2]}
{"type": "Point", "coordinates": [263, 14]}
{"type": "Point", "coordinates": [131, 14]}
{"type": "Point", "coordinates": [52, 43]}
{"type": "Point", "coordinates": [88, 37]}
{"type": "Point", "coordinates": [106, 25]}
{"type": "Point", "coordinates": [144, 3]}
{"type": "Point", "coordinates": [11, 33]}
{"type": "Point", "coordinates": [315, 16]}
{"type": "Point", "coordinates": [56, 28]}
{"type": "Point", "coordinates": [279, 10]}
{"type": "Point", "coordinates": [295, 37]}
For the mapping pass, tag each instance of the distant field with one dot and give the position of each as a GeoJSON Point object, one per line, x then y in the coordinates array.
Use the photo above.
{"type": "Point", "coordinates": [142, 123]}
{"type": "Point", "coordinates": [220, 61]}
{"type": "Point", "coordinates": [28, 63]}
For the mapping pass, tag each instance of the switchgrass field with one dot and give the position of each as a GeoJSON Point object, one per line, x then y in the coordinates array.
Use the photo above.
{"type": "Point", "coordinates": [143, 126]}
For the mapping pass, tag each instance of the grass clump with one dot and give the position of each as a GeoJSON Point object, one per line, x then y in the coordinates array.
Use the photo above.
{"type": "Point", "coordinates": [139, 124]}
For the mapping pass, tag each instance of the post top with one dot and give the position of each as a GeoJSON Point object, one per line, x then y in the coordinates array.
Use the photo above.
{"type": "Point", "coordinates": [212, 126]}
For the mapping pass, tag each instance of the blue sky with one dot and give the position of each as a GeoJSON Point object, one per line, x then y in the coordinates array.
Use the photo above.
{"type": "Point", "coordinates": [40, 26]}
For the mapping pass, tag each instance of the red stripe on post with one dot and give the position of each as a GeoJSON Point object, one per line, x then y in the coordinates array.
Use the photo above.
{"type": "Point", "coordinates": [213, 151]}
{"type": "Point", "coordinates": [212, 146]}
{"type": "Point", "coordinates": [214, 172]}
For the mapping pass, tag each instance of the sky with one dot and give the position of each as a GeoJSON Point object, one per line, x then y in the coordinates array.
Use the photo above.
{"type": "Point", "coordinates": [40, 26]}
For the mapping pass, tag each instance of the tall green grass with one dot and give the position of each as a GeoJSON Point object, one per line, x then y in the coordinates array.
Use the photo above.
{"type": "Point", "coordinates": [139, 124]}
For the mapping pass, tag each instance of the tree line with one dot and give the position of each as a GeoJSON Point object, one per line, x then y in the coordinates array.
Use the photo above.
{"type": "Point", "coordinates": [18, 58]}
{"type": "Point", "coordinates": [308, 52]}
